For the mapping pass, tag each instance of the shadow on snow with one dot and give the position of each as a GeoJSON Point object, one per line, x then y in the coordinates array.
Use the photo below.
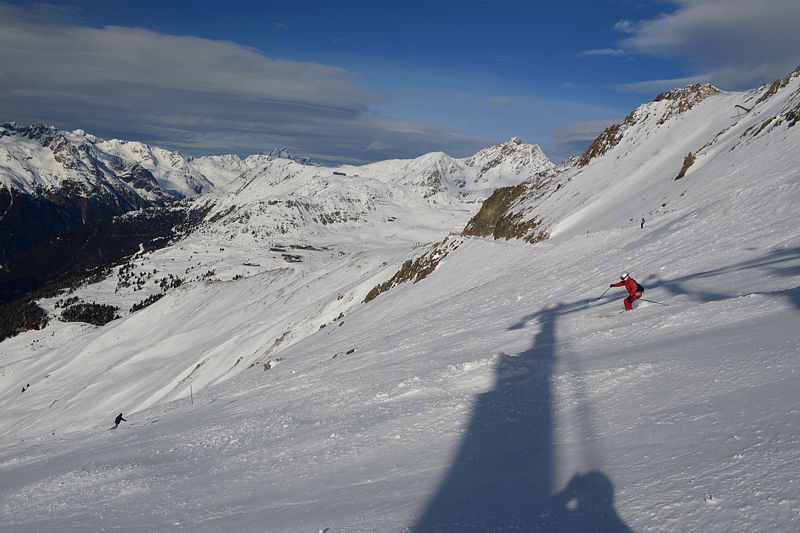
{"type": "Point", "coordinates": [781, 262]}
{"type": "Point", "coordinates": [502, 477]}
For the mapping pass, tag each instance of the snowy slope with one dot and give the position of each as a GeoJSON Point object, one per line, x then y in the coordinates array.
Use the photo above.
{"type": "Point", "coordinates": [62, 180]}
{"type": "Point", "coordinates": [503, 164]}
{"type": "Point", "coordinates": [171, 169]}
{"type": "Point", "coordinates": [499, 393]}
{"type": "Point", "coordinates": [38, 159]}
{"type": "Point", "coordinates": [223, 169]}
{"type": "Point", "coordinates": [634, 175]}
{"type": "Point", "coordinates": [308, 245]}
{"type": "Point", "coordinates": [66, 179]}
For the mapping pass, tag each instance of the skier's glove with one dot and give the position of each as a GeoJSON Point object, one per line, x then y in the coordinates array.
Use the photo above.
{"type": "Point", "coordinates": [610, 285]}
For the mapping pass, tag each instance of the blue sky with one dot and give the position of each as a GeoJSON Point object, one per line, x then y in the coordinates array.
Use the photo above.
{"type": "Point", "coordinates": [362, 81]}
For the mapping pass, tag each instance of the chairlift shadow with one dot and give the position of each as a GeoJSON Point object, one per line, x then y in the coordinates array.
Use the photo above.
{"type": "Point", "coordinates": [503, 475]}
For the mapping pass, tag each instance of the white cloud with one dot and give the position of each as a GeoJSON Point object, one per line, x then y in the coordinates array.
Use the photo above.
{"type": "Point", "coordinates": [735, 43]}
{"type": "Point", "coordinates": [625, 26]}
{"type": "Point", "coordinates": [377, 146]}
{"type": "Point", "coordinates": [190, 93]}
{"type": "Point", "coordinates": [657, 86]}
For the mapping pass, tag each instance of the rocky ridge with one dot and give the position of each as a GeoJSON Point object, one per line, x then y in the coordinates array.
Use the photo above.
{"type": "Point", "coordinates": [698, 120]}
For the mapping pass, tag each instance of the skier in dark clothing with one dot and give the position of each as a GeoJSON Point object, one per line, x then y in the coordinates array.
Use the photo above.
{"type": "Point", "coordinates": [635, 291]}
{"type": "Point", "coordinates": [118, 420]}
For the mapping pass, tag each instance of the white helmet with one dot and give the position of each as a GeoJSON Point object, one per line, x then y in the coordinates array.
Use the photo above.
{"type": "Point", "coordinates": [624, 276]}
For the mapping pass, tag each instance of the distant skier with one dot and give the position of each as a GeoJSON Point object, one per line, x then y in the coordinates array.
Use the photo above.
{"type": "Point", "coordinates": [635, 291]}
{"type": "Point", "coordinates": [642, 225]}
{"type": "Point", "coordinates": [118, 420]}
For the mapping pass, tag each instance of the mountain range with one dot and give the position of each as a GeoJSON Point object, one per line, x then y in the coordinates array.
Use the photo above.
{"type": "Point", "coordinates": [65, 179]}
{"type": "Point", "coordinates": [414, 345]}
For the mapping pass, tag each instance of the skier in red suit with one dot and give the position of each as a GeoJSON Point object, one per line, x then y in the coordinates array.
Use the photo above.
{"type": "Point", "coordinates": [635, 291]}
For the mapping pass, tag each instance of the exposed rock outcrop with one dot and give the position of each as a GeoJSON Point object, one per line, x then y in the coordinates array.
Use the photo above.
{"type": "Point", "coordinates": [498, 219]}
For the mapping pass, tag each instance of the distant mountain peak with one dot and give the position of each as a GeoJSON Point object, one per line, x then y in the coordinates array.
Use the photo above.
{"type": "Point", "coordinates": [510, 156]}
{"type": "Point", "coordinates": [685, 98]}
{"type": "Point", "coordinates": [284, 153]}
{"type": "Point", "coordinates": [693, 92]}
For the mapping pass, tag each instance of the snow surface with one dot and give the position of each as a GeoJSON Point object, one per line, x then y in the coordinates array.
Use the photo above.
{"type": "Point", "coordinates": [171, 169]}
{"type": "Point", "coordinates": [39, 159]}
{"type": "Point", "coordinates": [500, 393]}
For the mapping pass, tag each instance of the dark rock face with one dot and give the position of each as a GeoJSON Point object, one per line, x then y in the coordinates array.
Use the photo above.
{"type": "Point", "coordinates": [687, 162]}
{"type": "Point", "coordinates": [497, 218]}
{"type": "Point", "coordinates": [416, 270]}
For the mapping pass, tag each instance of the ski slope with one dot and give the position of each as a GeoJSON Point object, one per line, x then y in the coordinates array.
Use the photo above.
{"type": "Point", "coordinates": [497, 394]}
{"type": "Point", "coordinates": [472, 400]}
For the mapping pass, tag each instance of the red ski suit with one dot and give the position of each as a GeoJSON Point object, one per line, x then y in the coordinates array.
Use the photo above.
{"type": "Point", "coordinates": [633, 291]}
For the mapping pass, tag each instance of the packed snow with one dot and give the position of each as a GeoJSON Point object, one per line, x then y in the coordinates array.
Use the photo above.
{"type": "Point", "coordinates": [503, 392]}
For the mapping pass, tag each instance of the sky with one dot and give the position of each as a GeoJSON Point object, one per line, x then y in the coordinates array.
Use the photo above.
{"type": "Point", "coordinates": [356, 82]}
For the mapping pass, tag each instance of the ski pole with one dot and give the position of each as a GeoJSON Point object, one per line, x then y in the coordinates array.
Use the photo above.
{"type": "Point", "coordinates": [652, 302]}
{"type": "Point", "coordinates": [604, 293]}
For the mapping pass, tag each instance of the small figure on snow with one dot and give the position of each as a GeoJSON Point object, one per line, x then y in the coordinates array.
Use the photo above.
{"type": "Point", "coordinates": [642, 225]}
{"type": "Point", "coordinates": [118, 420]}
{"type": "Point", "coordinates": [635, 291]}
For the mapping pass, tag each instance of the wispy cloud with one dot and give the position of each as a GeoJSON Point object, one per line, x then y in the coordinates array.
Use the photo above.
{"type": "Point", "coordinates": [652, 86]}
{"type": "Point", "coordinates": [377, 146]}
{"type": "Point", "coordinates": [499, 101]}
{"type": "Point", "coordinates": [603, 52]}
{"type": "Point", "coordinates": [577, 136]}
{"type": "Point", "coordinates": [194, 94]}
{"type": "Point", "coordinates": [735, 43]}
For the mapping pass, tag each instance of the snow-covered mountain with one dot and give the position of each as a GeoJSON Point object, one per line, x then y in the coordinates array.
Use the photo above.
{"type": "Point", "coordinates": [171, 169]}
{"type": "Point", "coordinates": [496, 389]}
{"type": "Point", "coordinates": [69, 178]}
{"type": "Point", "coordinates": [645, 167]}
{"type": "Point", "coordinates": [61, 180]}
{"type": "Point", "coordinates": [38, 159]}
{"type": "Point", "coordinates": [280, 218]}
{"type": "Point", "coordinates": [280, 197]}
{"type": "Point", "coordinates": [507, 163]}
